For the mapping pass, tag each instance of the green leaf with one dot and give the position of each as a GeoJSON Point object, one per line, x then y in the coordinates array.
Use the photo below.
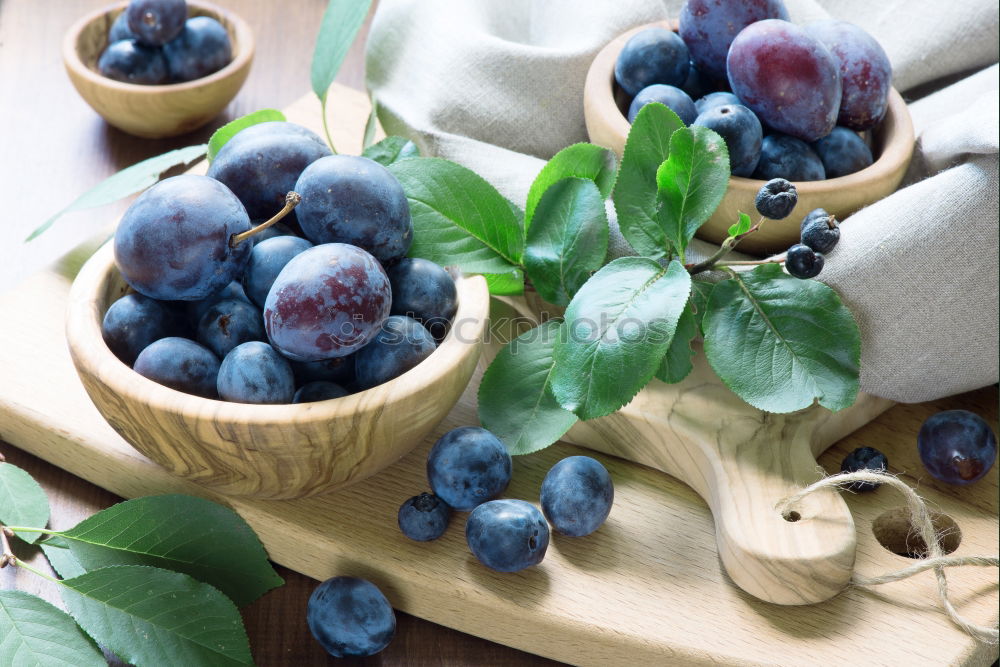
{"type": "Point", "coordinates": [635, 198]}
{"type": "Point", "coordinates": [341, 22]}
{"type": "Point", "coordinates": [505, 284]}
{"type": "Point", "coordinates": [459, 218]}
{"type": "Point", "coordinates": [780, 342]}
{"type": "Point", "coordinates": [22, 501]}
{"type": "Point", "coordinates": [619, 327]}
{"type": "Point", "coordinates": [577, 161]}
{"type": "Point", "coordinates": [229, 130]}
{"type": "Point", "coordinates": [515, 399]}
{"type": "Point", "coordinates": [126, 182]}
{"type": "Point", "coordinates": [370, 126]}
{"type": "Point", "coordinates": [700, 291]}
{"type": "Point", "coordinates": [61, 558]}
{"type": "Point", "coordinates": [676, 364]}
{"type": "Point", "coordinates": [568, 240]}
{"type": "Point", "coordinates": [691, 182]}
{"type": "Point", "coordinates": [391, 149]}
{"type": "Point", "coordinates": [210, 542]}
{"type": "Point", "coordinates": [741, 226]}
{"type": "Point", "coordinates": [35, 633]}
{"type": "Point", "coordinates": [149, 616]}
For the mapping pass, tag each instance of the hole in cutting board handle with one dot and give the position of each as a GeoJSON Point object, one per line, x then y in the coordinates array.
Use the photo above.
{"type": "Point", "coordinates": [895, 533]}
{"type": "Point", "coordinates": [791, 516]}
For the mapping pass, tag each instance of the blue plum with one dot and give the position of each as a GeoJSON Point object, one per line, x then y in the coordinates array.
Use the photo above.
{"type": "Point", "coordinates": [741, 130]}
{"type": "Point", "coordinates": [507, 535]}
{"type": "Point", "coordinates": [131, 62]}
{"type": "Point", "coordinates": [468, 466]}
{"type": "Point", "coordinates": [180, 364]}
{"type": "Point", "coordinates": [820, 231]}
{"type": "Point", "coordinates": [254, 373]}
{"type": "Point", "coordinates": [197, 309]}
{"type": "Point", "coordinates": [400, 345]}
{"type": "Point", "coordinates": [868, 459]}
{"type": "Point", "coordinates": [671, 97]}
{"type": "Point", "coordinates": [708, 27]}
{"type": "Point", "coordinates": [267, 259]}
{"type": "Point", "coordinates": [716, 99]}
{"type": "Point", "coordinates": [350, 617]}
{"type": "Point", "coordinates": [653, 55]}
{"type": "Point", "coordinates": [842, 152]}
{"type": "Point", "coordinates": [202, 48]}
{"type": "Point", "coordinates": [865, 72]}
{"type": "Point", "coordinates": [133, 322]}
{"type": "Point", "coordinates": [156, 22]}
{"type": "Point", "coordinates": [173, 243]}
{"type": "Point", "coordinates": [277, 229]}
{"type": "Point", "coordinates": [697, 84]}
{"type": "Point", "coordinates": [782, 156]}
{"type": "Point", "coordinates": [803, 262]}
{"type": "Point", "coordinates": [424, 517]}
{"type": "Point", "coordinates": [314, 392]}
{"type": "Point", "coordinates": [424, 291]}
{"type": "Point", "coordinates": [328, 301]}
{"type": "Point", "coordinates": [338, 370]}
{"type": "Point", "coordinates": [349, 199]}
{"type": "Point", "coordinates": [262, 163]}
{"type": "Point", "coordinates": [787, 77]}
{"type": "Point", "coordinates": [229, 323]}
{"type": "Point", "coordinates": [776, 199]}
{"type": "Point", "coordinates": [576, 496]}
{"type": "Point", "coordinates": [957, 446]}
{"type": "Point", "coordinates": [120, 30]}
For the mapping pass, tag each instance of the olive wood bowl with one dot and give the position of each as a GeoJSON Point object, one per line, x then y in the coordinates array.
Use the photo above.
{"type": "Point", "coordinates": [269, 451]}
{"type": "Point", "coordinates": [604, 106]}
{"type": "Point", "coordinates": [155, 111]}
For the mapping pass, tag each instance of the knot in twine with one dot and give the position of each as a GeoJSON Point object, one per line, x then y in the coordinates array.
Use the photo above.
{"type": "Point", "coordinates": [920, 518]}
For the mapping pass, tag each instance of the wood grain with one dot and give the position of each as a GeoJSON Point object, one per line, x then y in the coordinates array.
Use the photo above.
{"type": "Point", "coordinates": [604, 106]}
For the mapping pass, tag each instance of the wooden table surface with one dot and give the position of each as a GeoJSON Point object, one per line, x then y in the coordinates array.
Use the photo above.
{"type": "Point", "coordinates": [53, 147]}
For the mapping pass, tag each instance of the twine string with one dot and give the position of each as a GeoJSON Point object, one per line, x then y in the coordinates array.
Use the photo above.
{"type": "Point", "coordinates": [920, 518]}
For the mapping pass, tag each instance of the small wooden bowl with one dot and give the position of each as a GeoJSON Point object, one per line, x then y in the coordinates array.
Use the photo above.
{"type": "Point", "coordinates": [604, 107]}
{"type": "Point", "coordinates": [159, 111]}
{"type": "Point", "coordinates": [269, 451]}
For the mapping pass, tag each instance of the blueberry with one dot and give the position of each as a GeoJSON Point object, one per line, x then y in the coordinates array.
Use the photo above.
{"type": "Point", "coordinates": [576, 495]}
{"type": "Point", "coordinates": [267, 259]}
{"type": "Point", "coordinates": [776, 199]}
{"type": "Point", "coordinates": [133, 322]}
{"type": "Point", "coordinates": [653, 55]}
{"type": "Point", "coordinates": [468, 466]}
{"type": "Point", "coordinates": [717, 99]}
{"type": "Point", "coordinates": [842, 152]}
{"type": "Point", "coordinates": [229, 323]}
{"type": "Point", "coordinates": [957, 446]}
{"type": "Point", "coordinates": [424, 517]}
{"type": "Point", "coordinates": [202, 48]}
{"type": "Point", "coordinates": [864, 458]}
{"type": "Point", "coordinates": [120, 30]}
{"type": "Point", "coordinates": [507, 535]}
{"type": "Point", "coordinates": [180, 364]}
{"type": "Point", "coordinates": [803, 262]}
{"type": "Point", "coordinates": [254, 373]}
{"type": "Point", "coordinates": [400, 345]}
{"type": "Point", "coordinates": [350, 617]}
{"type": "Point", "coordinates": [314, 392]}
{"type": "Point", "coordinates": [673, 98]}
{"type": "Point", "coordinates": [741, 131]}
{"type": "Point", "coordinates": [782, 156]}
{"type": "Point", "coordinates": [156, 22]}
{"type": "Point", "coordinates": [424, 291]}
{"type": "Point", "coordinates": [820, 231]}
{"type": "Point", "coordinates": [131, 62]}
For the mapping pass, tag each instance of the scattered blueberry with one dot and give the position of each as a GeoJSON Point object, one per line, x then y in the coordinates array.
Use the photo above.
{"type": "Point", "coordinates": [803, 262]}
{"type": "Point", "coordinates": [957, 446]}
{"type": "Point", "coordinates": [842, 152]}
{"type": "Point", "coordinates": [400, 345]}
{"type": "Point", "coordinates": [133, 322]}
{"type": "Point", "coordinates": [131, 62]}
{"type": "Point", "coordinates": [229, 323]}
{"type": "Point", "coordinates": [864, 458]}
{"type": "Point", "coordinates": [716, 99]}
{"type": "Point", "coordinates": [424, 517]}
{"type": "Point", "coordinates": [314, 392]}
{"type": "Point", "coordinates": [782, 156]}
{"type": "Point", "coordinates": [576, 495]}
{"type": "Point", "coordinates": [507, 535]}
{"type": "Point", "coordinates": [267, 259]}
{"type": "Point", "coordinates": [468, 466]}
{"type": "Point", "coordinates": [424, 291]}
{"type": "Point", "coordinates": [741, 130]}
{"type": "Point", "coordinates": [820, 231]}
{"type": "Point", "coordinates": [156, 22]}
{"type": "Point", "coordinates": [254, 373]}
{"type": "Point", "coordinates": [180, 364]}
{"type": "Point", "coordinates": [350, 617]}
{"type": "Point", "coordinates": [202, 48]}
{"type": "Point", "coordinates": [653, 55]}
{"type": "Point", "coordinates": [776, 199]}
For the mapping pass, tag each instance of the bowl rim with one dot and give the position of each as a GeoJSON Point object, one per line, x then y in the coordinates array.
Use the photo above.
{"type": "Point", "coordinates": [240, 29]}
{"type": "Point", "coordinates": [897, 148]}
{"type": "Point", "coordinates": [88, 349]}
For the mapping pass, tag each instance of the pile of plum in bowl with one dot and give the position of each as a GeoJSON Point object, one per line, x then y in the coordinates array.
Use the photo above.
{"type": "Point", "coordinates": [260, 330]}
{"type": "Point", "coordinates": [812, 104]}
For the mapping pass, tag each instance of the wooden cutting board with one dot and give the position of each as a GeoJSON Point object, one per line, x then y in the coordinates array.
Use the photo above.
{"type": "Point", "coordinates": [647, 587]}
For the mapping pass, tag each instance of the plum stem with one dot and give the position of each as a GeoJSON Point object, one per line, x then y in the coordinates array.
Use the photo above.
{"type": "Point", "coordinates": [292, 200]}
{"type": "Point", "coordinates": [727, 247]}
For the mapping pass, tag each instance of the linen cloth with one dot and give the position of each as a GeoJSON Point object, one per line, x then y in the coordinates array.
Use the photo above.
{"type": "Point", "coordinates": [497, 85]}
